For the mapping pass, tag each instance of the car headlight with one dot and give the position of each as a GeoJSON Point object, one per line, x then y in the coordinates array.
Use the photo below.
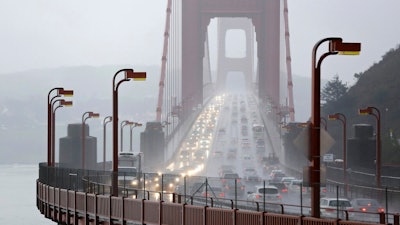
{"type": "Point", "coordinates": [134, 183]}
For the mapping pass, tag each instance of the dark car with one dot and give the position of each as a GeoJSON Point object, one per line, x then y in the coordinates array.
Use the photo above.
{"type": "Point", "coordinates": [367, 205]}
{"type": "Point", "coordinates": [280, 185]}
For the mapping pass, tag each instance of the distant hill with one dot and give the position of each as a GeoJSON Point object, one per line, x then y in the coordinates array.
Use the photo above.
{"type": "Point", "coordinates": [23, 104]}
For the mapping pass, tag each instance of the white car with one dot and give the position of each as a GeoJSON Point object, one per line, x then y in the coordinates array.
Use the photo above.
{"type": "Point", "coordinates": [270, 193]}
{"type": "Point", "coordinates": [329, 207]}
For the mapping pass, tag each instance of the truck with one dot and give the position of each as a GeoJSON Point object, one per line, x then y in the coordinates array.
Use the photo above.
{"type": "Point", "coordinates": [129, 170]}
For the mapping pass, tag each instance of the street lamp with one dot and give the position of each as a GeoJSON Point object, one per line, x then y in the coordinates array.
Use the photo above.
{"type": "Point", "coordinates": [129, 74]}
{"type": "Point", "coordinates": [59, 92]}
{"type": "Point", "coordinates": [86, 116]}
{"type": "Point", "coordinates": [370, 111]}
{"type": "Point", "coordinates": [123, 124]}
{"type": "Point", "coordinates": [336, 46]}
{"type": "Point", "coordinates": [131, 128]}
{"type": "Point", "coordinates": [62, 103]}
{"type": "Point", "coordinates": [342, 118]}
{"type": "Point", "coordinates": [106, 120]}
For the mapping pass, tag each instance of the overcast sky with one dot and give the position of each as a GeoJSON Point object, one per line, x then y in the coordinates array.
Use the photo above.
{"type": "Point", "coordinates": [54, 33]}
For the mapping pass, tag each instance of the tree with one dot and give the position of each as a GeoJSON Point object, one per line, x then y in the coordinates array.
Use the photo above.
{"type": "Point", "coordinates": [333, 90]}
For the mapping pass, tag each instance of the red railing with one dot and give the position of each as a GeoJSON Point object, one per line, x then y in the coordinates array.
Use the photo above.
{"type": "Point", "coordinates": [73, 207]}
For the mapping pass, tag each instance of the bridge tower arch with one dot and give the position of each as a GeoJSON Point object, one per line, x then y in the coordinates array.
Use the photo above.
{"type": "Point", "coordinates": [226, 63]}
{"type": "Point", "coordinates": [196, 16]}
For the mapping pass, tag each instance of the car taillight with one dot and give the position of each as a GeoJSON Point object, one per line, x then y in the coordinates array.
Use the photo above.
{"type": "Point", "coordinates": [284, 190]}
{"type": "Point", "coordinates": [324, 190]}
{"type": "Point", "coordinates": [221, 194]}
{"type": "Point", "coordinates": [381, 210]}
{"type": "Point", "coordinates": [329, 210]}
{"type": "Point", "coordinates": [363, 209]}
{"type": "Point", "coordinates": [238, 180]}
{"type": "Point", "coordinates": [258, 196]}
{"type": "Point", "coordinates": [279, 197]}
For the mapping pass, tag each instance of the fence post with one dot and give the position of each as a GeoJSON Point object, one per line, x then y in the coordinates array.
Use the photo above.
{"type": "Point", "coordinates": [396, 219]}
{"type": "Point", "coordinates": [382, 218]}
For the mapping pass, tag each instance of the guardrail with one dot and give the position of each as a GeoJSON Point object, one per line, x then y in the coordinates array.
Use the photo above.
{"type": "Point", "coordinates": [73, 207]}
{"type": "Point", "coordinates": [59, 187]}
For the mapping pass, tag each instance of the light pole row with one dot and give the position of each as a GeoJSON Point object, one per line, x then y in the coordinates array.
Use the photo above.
{"type": "Point", "coordinates": [59, 91]}
{"type": "Point", "coordinates": [51, 99]}
{"type": "Point", "coordinates": [365, 111]}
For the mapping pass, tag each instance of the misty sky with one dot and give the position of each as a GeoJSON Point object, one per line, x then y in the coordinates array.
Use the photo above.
{"type": "Point", "coordinates": [46, 34]}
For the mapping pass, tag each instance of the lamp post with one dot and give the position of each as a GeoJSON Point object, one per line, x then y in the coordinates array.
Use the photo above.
{"type": "Point", "coordinates": [370, 111]}
{"type": "Point", "coordinates": [129, 74]}
{"type": "Point", "coordinates": [86, 116]}
{"type": "Point", "coordinates": [106, 120]}
{"type": "Point", "coordinates": [123, 124]}
{"type": "Point", "coordinates": [131, 134]}
{"type": "Point", "coordinates": [336, 46]}
{"type": "Point", "coordinates": [59, 92]}
{"type": "Point", "coordinates": [342, 118]}
{"type": "Point", "coordinates": [62, 103]}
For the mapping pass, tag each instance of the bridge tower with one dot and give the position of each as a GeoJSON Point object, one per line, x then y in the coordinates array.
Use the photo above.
{"type": "Point", "coordinates": [225, 63]}
{"type": "Point", "coordinates": [196, 16]}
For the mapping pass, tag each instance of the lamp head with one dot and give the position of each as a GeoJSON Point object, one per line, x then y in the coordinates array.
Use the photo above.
{"type": "Point", "coordinates": [137, 76]}
{"type": "Point", "coordinates": [94, 115]}
{"type": "Point", "coordinates": [333, 116]}
{"type": "Point", "coordinates": [66, 103]}
{"type": "Point", "coordinates": [366, 111]}
{"type": "Point", "coordinates": [66, 93]}
{"type": "Point", "coordinates": [347, 48]}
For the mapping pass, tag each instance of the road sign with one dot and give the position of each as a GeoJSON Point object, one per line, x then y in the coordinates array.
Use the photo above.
{"type": "Point", "coordinates": [328, 158]}
{"type": "Point", "coordinates": [302, 141]}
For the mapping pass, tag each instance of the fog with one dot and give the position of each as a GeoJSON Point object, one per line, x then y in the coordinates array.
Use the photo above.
{"type": "Point", "coordinates": [67, 43]}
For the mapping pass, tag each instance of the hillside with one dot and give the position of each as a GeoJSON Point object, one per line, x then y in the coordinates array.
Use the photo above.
{"type": "Point", "coordinates": [376, 87]}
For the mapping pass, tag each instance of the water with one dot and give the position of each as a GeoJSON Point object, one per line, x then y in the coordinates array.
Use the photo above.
{"type": "Point", "coordinates": [18, 195]}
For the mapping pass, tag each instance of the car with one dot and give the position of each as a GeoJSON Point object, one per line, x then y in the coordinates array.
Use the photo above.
{"type": "Point", "coordinates": [277, 175]}
{"type": "Point", "coordinates": [230, 175]}
{"type": "Point", "coordinates": [213, 192]}
{"type": "Point", "coordinates": [329, 207]}
{"type": "Point", "coordinates": [231, 153]}
{"type": "Point", "coordinates": [218, 154]}
{"type": "Point", "coordinates": [251, 175]}
{"type": "Point", "coordinates": [281, 186]}
{"type": "Point", "coordinates": [295, 186]}
{"type": "Point", "coordinates": [229, 186]}
{"type": "Point", "coordinates": [287, 180]}
{"type": "Point", "coordinates": [269, 192]}
{"type": "Point", "coordinates": [367, 205]}
{"type": "Point", "coordinates": [185, 154]}
{"type": "Point", "coordinates": [223, 169]}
